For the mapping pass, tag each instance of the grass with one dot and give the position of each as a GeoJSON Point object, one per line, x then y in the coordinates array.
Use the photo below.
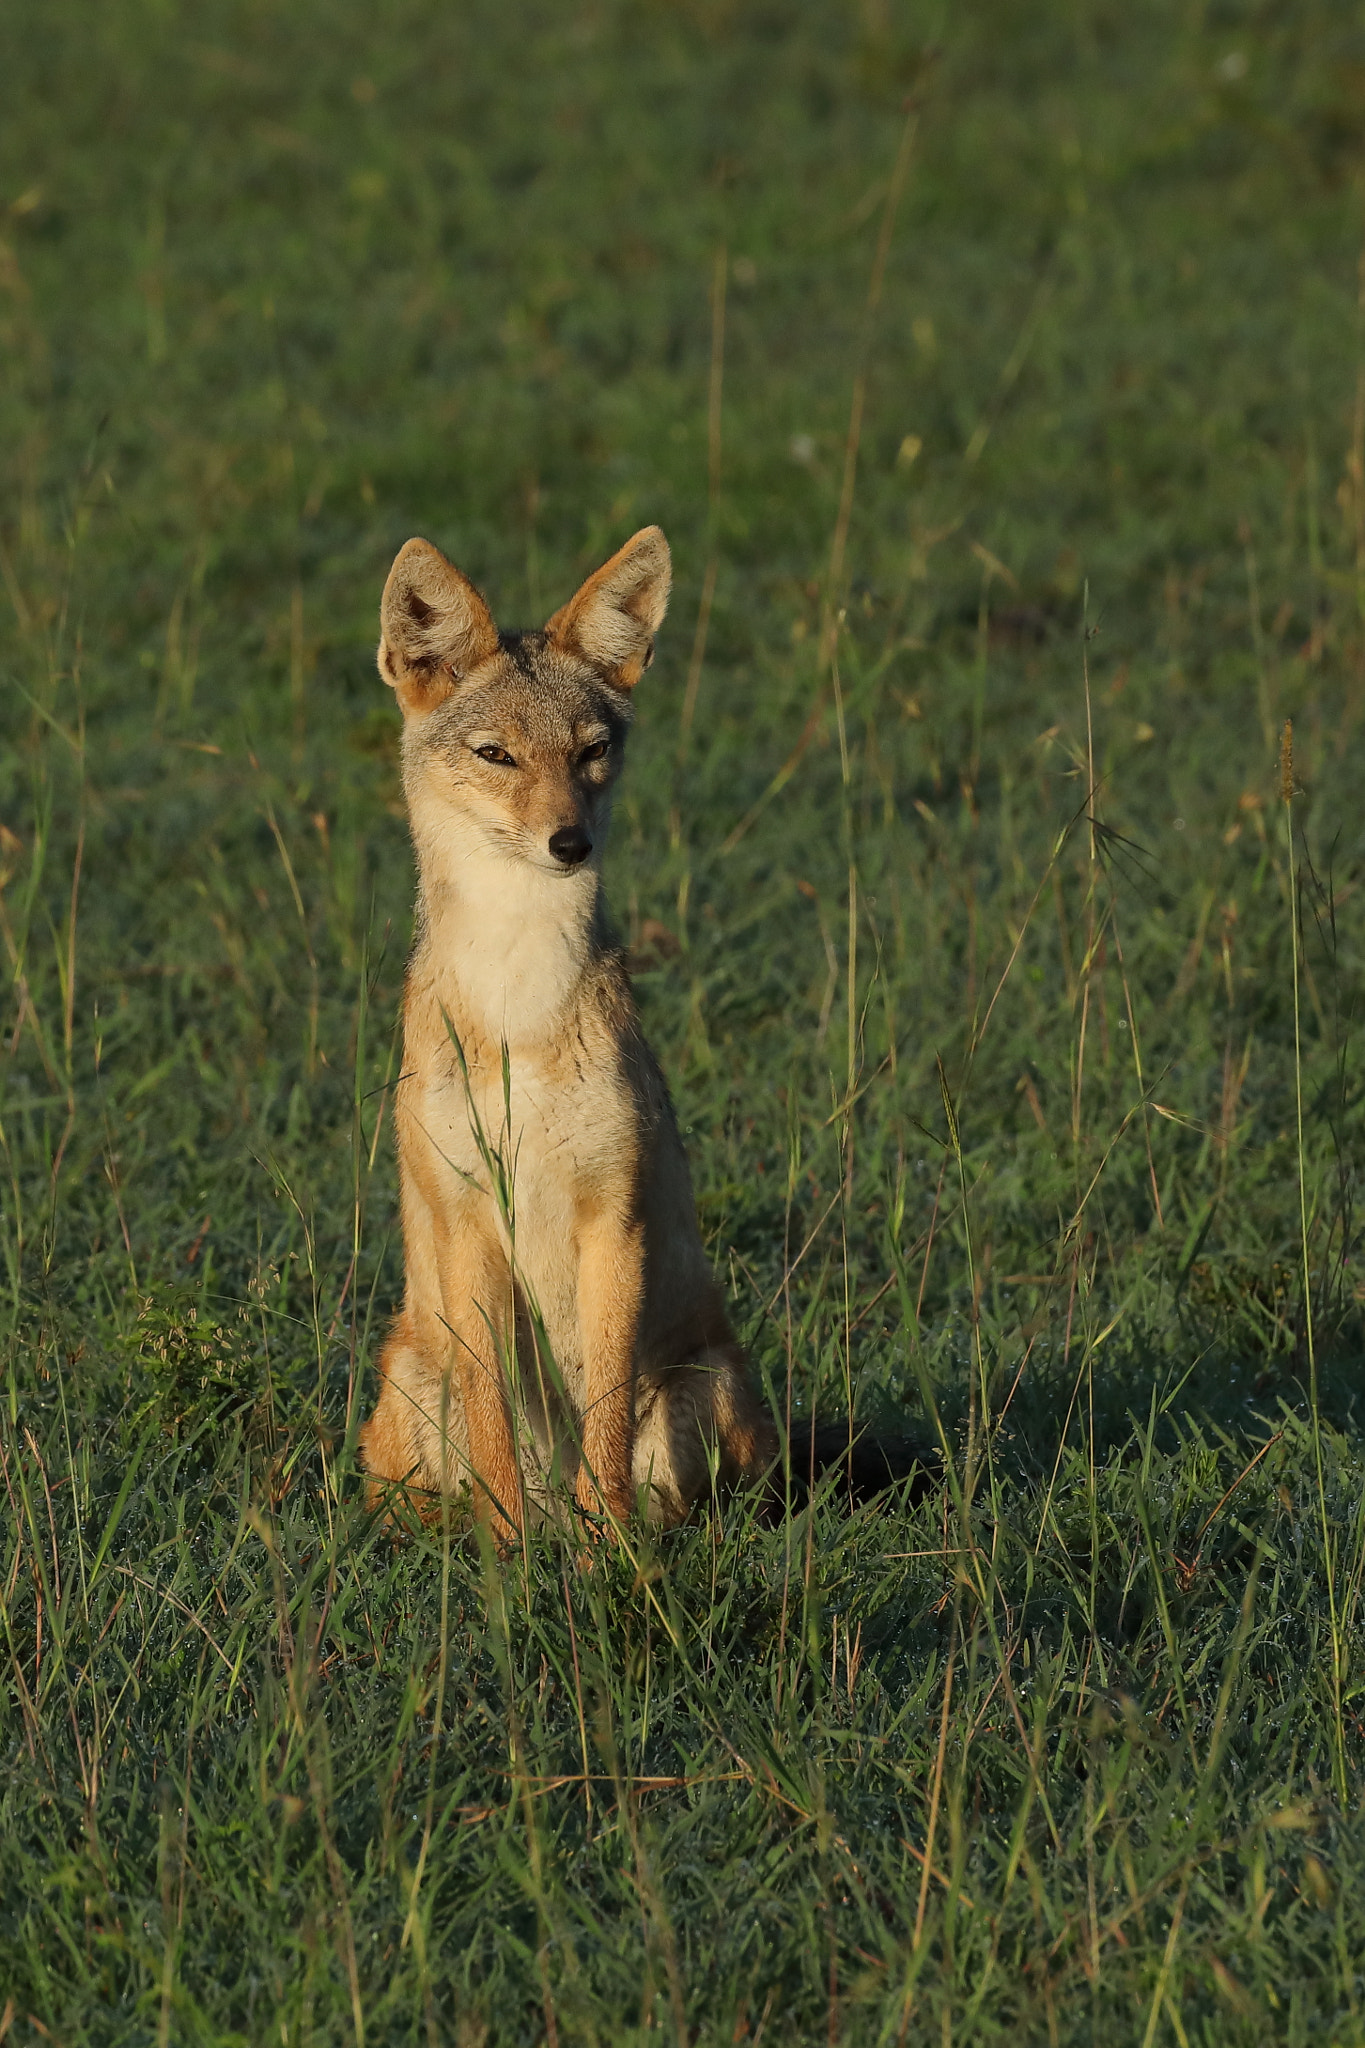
{"type": "Point", "coordinates": [999, 378]}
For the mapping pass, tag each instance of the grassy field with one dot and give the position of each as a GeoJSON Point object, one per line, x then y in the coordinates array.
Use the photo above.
{"type": "Point", "coordinates": [998, 375]}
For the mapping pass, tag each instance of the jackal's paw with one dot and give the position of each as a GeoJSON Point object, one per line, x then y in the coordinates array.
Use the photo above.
{"type": "Point", "coordinates": [599, 1519]}
{"type": "Point", "coordinates": [502, 1532]}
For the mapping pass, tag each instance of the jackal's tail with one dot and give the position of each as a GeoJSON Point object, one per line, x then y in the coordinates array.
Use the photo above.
{"type": "Point", "coordinates": [864, 1461]}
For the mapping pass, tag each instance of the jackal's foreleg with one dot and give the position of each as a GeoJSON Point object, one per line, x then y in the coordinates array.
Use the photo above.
{"type": "Point", "coordinates": [396, 1442]}
{"type": "Point", "coordinates": [476, 1315]}
{"type": "Point", "coordinates": [611, 1269]}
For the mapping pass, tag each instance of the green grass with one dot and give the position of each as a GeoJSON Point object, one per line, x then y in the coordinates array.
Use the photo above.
{"type": "Point", "coordinates": [994, 1115]}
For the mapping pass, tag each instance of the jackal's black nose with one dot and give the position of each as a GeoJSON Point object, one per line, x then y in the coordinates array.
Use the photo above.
{"type": "Point", "coordinates": [570, 844]}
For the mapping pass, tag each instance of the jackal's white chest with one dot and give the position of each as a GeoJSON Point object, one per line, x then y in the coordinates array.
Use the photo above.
{"type": "Point", "coordinates": [508, 941]}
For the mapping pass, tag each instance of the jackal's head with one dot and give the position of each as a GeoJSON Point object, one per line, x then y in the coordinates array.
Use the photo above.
{"type": "Point", "coordinates": [512, 741]}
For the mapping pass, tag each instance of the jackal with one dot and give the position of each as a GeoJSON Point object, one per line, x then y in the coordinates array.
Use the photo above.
{"type": "Point", "coordinates": [560, 1322]}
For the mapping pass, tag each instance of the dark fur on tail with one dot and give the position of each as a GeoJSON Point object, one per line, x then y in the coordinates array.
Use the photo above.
{"type": "Point", "coordinates": [871, 1463]}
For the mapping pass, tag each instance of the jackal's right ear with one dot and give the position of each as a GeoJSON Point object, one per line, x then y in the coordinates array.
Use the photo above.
{"type": "Point", "coordinates": [435, 628]}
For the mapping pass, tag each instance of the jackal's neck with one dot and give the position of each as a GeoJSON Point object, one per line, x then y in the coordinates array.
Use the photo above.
{"type": "Point", "coordinates": [503, 943]}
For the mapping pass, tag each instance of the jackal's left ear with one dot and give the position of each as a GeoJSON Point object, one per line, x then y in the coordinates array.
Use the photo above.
{"type": "Point", "coordinates": [435, 628]}
{"type": "Point", "coordinates": [614, 617]}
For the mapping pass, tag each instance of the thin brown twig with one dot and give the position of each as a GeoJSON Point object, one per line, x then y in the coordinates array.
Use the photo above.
{"type": "Point", "coordinates": [933, 1870]}
{"type": "Point", "coordinates": [935, 1793]}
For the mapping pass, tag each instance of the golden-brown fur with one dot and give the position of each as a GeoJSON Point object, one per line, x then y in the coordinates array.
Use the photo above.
{"type": "Point", "coordinates": [560, 1321]}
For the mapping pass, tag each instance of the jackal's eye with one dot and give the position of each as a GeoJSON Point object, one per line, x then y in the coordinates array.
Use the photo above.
{"type": "Point", "coordinates": [598, 751]}
{"type": "Point", "coordinates": [499, 756]}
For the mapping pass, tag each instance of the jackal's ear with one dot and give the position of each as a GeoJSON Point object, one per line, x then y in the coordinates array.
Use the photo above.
{"type": "Point", "coordinates": [435, 628]}
{"type": "Point", "coordinates": [614, 617]}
